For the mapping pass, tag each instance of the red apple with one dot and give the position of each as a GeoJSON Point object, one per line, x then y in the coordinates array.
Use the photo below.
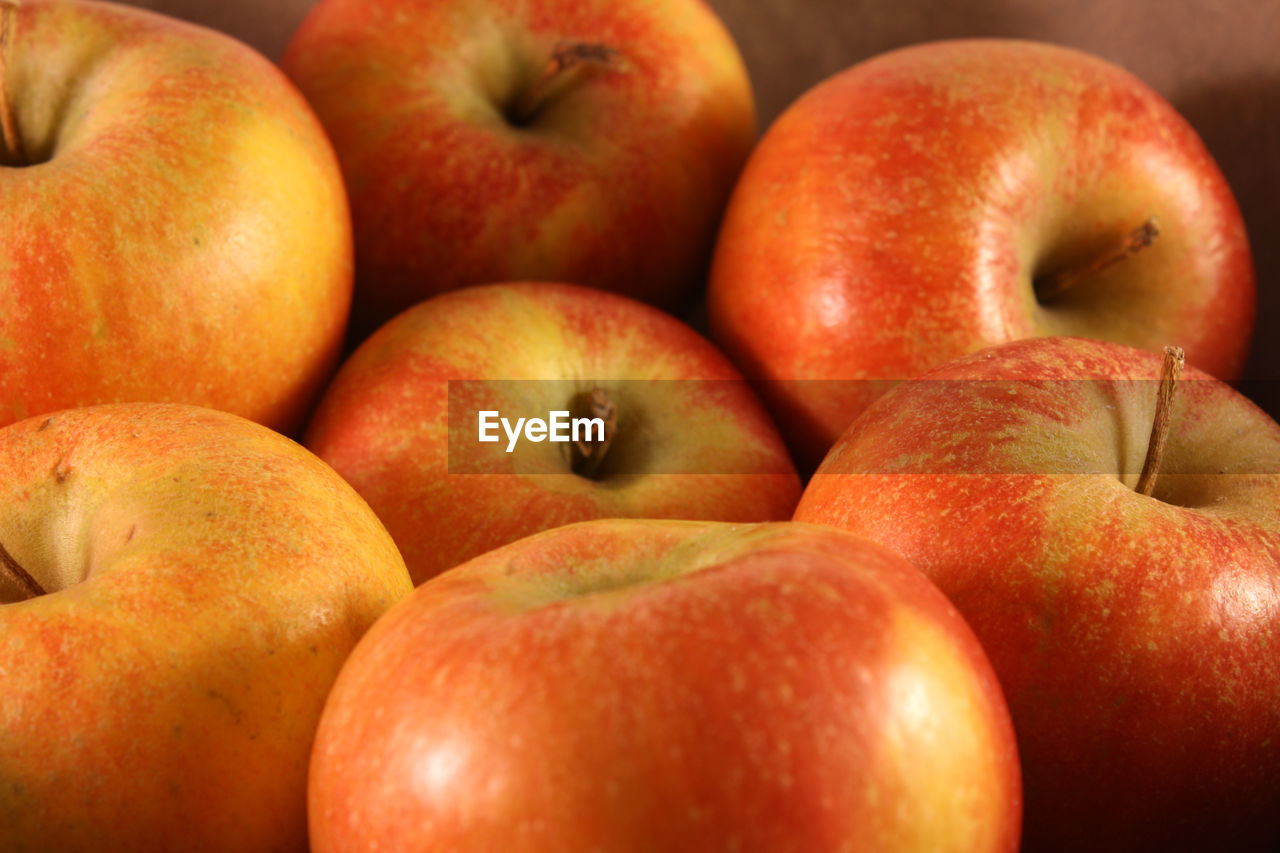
{"type": "Point", "coordinates": [667, 685]}
{"type": "Point", "coordinates": [178, 588]}
{"type": "Point", "coordinates": [175, 226]}
{"type": "Point", "coordinates": [402, 422]}
{"type": "Point", "coordinates": [592, 141]}
{"type": "Point", "coordinates": [1135, 635]}
{"type": "Point", "coordinates": [954, 195]}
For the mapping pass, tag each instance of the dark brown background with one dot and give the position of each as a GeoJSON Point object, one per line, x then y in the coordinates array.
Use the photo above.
{"type": "Point", "coordinates": [1217, 61]}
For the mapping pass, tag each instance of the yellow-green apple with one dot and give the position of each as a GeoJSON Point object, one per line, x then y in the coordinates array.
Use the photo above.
{"type": "Point", "coordinates": [178, 589]}
{"type": "Point", "coordinates": [491, 412]}
{"type": "Point", "coordinates": [175, 224]}
{"type": "Point", "coordinates": [592, 141]}
{"type": "Point", "coordinates": [627, 684]}
{"type": "Point", "coordinates": [1133, 625]}
{"type": "Point", "coordinates": [954, 195]}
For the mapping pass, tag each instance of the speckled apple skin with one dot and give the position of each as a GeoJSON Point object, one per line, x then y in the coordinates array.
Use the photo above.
{"type": "Point", "coordinates": [618, 183]}
{"type": "Point", "coordinates": [181, 233]}
{"type": "Point", "coordinates": [664, 685]}
{"type": "Point", "coordinates": [898, 213]}
{"type": "Point", "coordinates": [399, 421]}
{"type": "Point", "coordinates": [206, 579]}
{"type": "Point", "coordinates": [1135, 637]}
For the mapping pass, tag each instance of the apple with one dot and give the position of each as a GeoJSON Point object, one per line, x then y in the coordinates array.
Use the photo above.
{"type": "Point", "coordinates": [639, 684]}
{"type": "Point", "coordinates": [178, 589]}
{"type": "Point", "coordinates": [591, 141]}
{"type": "Point", "coordinates": [175, 224]}
{"type": "Point", "coordinates": [953, 195]}
{"type": "Point", "coordinates": [455, 421]}
{"type": "Point", "coordinates": [1134, 630]}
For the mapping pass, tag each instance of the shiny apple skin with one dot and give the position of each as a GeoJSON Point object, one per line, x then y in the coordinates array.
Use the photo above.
{"type": "Point", "coordinates": [399, 421]}
{"type": "Point", "coordinates": [206, 579]}
{"type": "Point", "coordinates": [619, 182]}
{"type": "Point", "coordinates": [662, 685]}
{"type": "Point", "coordinates": [1135, 637]}
{"type": "Point", "coordinates": [898, 213]}
{"type": "Point", "coordinates": [182, 231]}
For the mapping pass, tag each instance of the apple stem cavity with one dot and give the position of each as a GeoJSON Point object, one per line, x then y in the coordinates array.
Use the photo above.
{"type": "Point", "coordinates": [1170, 369]}
{"type": "Point", "coordinates": [11, 152]}
{"type": "Point", "coordinates": [1050, 287]}
{"type": "Point", "coordinates": [568, 60]}
{"type": "Point", "coordinates": [589, 453]}
{"type": "Point", "coordinates": [20, 576]}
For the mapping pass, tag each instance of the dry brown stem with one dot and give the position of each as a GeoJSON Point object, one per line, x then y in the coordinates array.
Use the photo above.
{"type": "Point", "coordinates": [1052, 286]}
{"type": "Point", "coordinates": [1170, 369]}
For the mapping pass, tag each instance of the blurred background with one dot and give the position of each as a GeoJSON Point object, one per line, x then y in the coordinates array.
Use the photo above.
{"type": "Point", "coordinates": [1217, 61]}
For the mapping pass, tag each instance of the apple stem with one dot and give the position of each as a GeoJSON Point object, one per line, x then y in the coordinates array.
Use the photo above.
{"type": "Point", "coordinates": [12, 143]}
{"type": "Point", "coordinates": [1170, 368]}
{"type": "Point", "coordinates": [12, 568]}
{"type": "Point", "coordinates": [567, 57]}
{"type": "Point", "coordinates": [1052, 286]}
{"type": "Point", "coordinates": [589, 453]}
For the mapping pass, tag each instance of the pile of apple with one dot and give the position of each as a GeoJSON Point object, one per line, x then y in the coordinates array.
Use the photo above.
{"type": "Point", "coordinates": [904, 527]}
